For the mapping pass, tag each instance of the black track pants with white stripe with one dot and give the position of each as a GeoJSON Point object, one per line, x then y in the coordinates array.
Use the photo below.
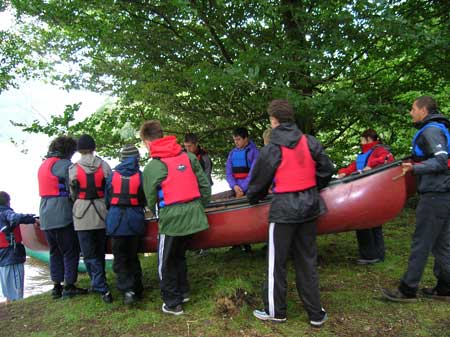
{"type": "Point", "coordinates": [301, 240]}
{"type": "Point", "coordinates": [172, 269]}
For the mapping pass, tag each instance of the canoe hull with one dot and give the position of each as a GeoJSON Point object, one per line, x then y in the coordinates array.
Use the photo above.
{"type": "Point", "coordinates": [352, 204]}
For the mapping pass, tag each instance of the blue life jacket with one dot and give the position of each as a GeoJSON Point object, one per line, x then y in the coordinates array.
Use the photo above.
{"type": "Point", "coordinates": [416, 150]}
{"type": "Point", "coordinates": [362, 158]}
{"type": "Point", "coordinates": [161, 202]}
{"type": "Point", "coordinates": [240, 166]}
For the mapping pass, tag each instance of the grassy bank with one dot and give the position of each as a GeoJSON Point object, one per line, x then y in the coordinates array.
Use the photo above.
{"type": "Point", "coordinates": [226, 288]}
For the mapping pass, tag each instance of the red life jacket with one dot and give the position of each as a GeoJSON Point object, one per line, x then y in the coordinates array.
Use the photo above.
{"type": "Point", "coordinates": [297, 170]}
{"type": "Point", "coordinates": [50, 185]}
{"type": "Point", "coordinates": [125, 189]}
{"type": "Point", "coordinates": [17, 235]}
{"type": "Point", "coordinates": [90, 186]}
{"type": "Point", "coordinates": [181, 183]}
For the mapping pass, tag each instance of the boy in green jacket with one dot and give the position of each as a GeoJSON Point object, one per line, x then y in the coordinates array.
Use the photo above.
{"type": "Point", "coordinates": [176, 185]}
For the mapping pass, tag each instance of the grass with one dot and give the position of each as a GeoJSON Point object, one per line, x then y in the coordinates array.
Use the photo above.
{"type": "Point", "coordinates": [226, 288]}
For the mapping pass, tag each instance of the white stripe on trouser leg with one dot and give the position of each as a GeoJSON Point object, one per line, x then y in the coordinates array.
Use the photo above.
{"type": "Point", "coordinates": [270, 272]}
{"type": "Point", "coordinates": [161, 254]}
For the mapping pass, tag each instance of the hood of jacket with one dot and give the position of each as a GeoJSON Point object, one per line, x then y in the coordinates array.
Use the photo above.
{"type": "Point", "coordinates": [128, 167]}
{"type": "Point", "coordinates": [165, 147]}
{"type": "Point", "coordinates": [286, 134]}
{"type": "Point", "coordinates": [439, 118]}
{"type": "Point", "coordinates": [90, 162]}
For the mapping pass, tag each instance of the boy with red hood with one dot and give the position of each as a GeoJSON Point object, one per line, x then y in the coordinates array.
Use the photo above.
{"type": "Point", "coordinates": [176, 185]}
{"type": "Point", "coordinates": [374, 153]}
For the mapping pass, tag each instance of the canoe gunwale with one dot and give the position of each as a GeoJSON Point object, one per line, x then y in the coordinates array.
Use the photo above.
{"type": "Point", "coordinates": [241, 203]}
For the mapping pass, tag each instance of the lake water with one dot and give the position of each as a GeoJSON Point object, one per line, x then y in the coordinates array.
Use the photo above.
{"type": "Point", "coordinates": [37, 278]}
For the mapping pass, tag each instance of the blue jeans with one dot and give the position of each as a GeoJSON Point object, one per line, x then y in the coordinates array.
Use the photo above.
{"type": "Point", "coordinates": [93, 246]}
{"type": "Point", "coordinates": [11, 281]}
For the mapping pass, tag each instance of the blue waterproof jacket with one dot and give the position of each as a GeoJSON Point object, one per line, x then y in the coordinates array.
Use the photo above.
{"type": "Point", "coordinates": [125, 220]}
{"type": "Point", "coordinates": [15, 252]}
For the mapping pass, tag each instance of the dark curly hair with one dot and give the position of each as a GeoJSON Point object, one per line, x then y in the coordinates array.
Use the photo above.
{"type": "Point", "coordinates": [65, 146]}
{"type": "Point", "coordinates": [4, 198]}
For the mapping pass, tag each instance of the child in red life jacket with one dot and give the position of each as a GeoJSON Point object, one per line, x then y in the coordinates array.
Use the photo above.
{"type": "Point", "coordinates": [374, 153]}
{"type": "Point", "coordinates": [125, 222]}
{"type": "Point", "coordinates": [87, 184]}
{"type": "Point", "coordinates": [12, 251]}
{"type": "Point", "coordinates": [174, 181]}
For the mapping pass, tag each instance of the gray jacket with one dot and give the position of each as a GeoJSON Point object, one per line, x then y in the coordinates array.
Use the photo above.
{"type": "Point", "coordinates": [88, 214]}
{"type": "Point", "coordinates": [56, 212]}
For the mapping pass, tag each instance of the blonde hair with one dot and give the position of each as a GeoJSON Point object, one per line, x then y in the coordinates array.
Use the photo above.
{"type": "Point", "coordinates": [266, 135]}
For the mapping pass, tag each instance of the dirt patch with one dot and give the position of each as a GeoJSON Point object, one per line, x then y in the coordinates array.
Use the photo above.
{"type": "Point", "coordinates": [230, 306]}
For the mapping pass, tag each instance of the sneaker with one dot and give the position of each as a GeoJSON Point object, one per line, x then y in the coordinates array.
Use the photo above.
{"type": "Point", "coordinates": [176, 310]}
{"type": "Point", "coordinates": [71, 291]}
{"type": "Point", "coordinates": [107, 297]}
{"type": "Point", "coordinates": [433, 293]}
{"type": "Point", "coordinates": [319, 323]}
{"type": "Point", "coordinates": [57, 291]}
{"type": "Point", "coordinates": [396, 296]}
{"type": "Point", "coordinates": [264, 316]}
{"type": "Point", "coordinates": [246, 248]}
{"type": "Point", "coordinates": [203, 252]}
{"type": "Point", "coordinates": [185, 297]}
{"type": "Point", "coordinates": [368, 261]}
{"type": "Point", "coordinates": [129, 297]}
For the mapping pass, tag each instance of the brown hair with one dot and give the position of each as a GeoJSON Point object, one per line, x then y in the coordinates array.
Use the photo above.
{"type": "Point", "coordinates": [428, 102]}
{"type": "Point", "coordinates": [282, 110]}
{"type": "Point", "coordinates": [151, 130]}
{"type": "Point", "coordinates": [191, 138]}
{"type": "Point", "coordinates": [370, 133]}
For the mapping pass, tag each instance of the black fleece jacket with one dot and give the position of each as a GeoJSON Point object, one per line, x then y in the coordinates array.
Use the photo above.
{"type": "Point", "coordinates": [291, 207]}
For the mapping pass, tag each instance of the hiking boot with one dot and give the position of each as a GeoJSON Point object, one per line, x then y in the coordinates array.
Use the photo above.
{"type": "Point", "coordinates": [264, 316]}
{"type": "Point", "coordinates": [397, 296]}
{"type": "Point", "coordinates": [176, 310]}
{"type": "Point", "coordinates": [319, 323]}
{"type": "Point", "coordinates": [433, 293]}
{"type": "Point", "coordinates": [71, 291]}
{"type": "Point", "coordinates": [368, 261]}
{"type": "Point", "coordinates": [129, 297]}
{"type": "Point", "coordinates": [107, 297]}
{"type": "Point", "coordinates": [57, 291]}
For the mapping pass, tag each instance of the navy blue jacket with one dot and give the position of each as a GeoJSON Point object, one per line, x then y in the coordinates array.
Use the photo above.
{"type": "Point", "coordinates": [122, 220]}
{"type": "Point", "coordinates": [15, 253]}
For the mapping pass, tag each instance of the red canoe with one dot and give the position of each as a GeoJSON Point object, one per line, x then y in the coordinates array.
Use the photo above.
{"type": "Point", "coordinates": [355, 202]}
